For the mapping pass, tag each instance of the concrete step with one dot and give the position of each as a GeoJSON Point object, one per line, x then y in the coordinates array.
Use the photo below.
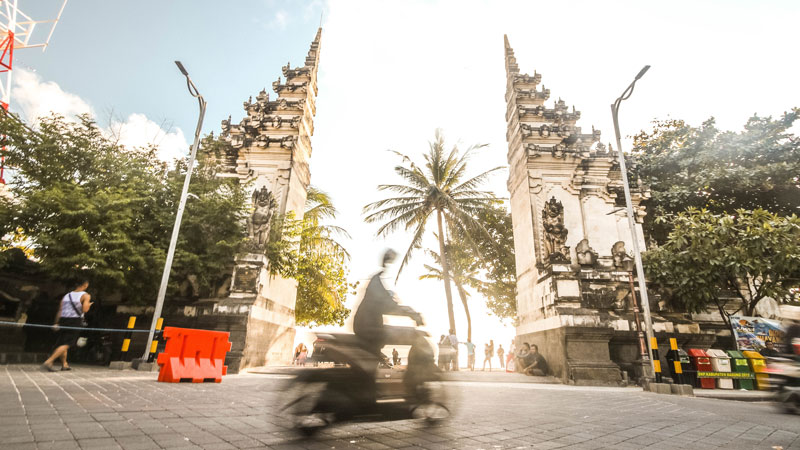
{"type": "Point", "coordinates": [22, 358]}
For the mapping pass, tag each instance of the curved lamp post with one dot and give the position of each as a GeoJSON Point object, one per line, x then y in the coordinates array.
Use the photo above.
{"type": "Point", "coordinates": [631, 221]}
{"type": "Point", "coordinates": [162, 290]}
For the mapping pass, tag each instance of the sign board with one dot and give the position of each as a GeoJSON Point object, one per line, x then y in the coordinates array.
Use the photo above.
{"type": "Point", "coordinates": [736, 375]}
{"type": "Point", "coordinates": [751, 333]}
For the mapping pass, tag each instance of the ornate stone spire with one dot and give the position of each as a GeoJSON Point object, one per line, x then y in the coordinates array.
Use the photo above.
{"type": "Point", "coordinates": [511, 62]}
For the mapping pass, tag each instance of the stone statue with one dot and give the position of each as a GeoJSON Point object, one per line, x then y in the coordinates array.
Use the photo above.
{"type": "Point", "coordinates": [555, 233]}
{"type": "Point", "coordinates": [586, 256]}
{"type": "Point", "coordinates": [258, 224]}
{"type": "Point", "coordinates": [621, 259]}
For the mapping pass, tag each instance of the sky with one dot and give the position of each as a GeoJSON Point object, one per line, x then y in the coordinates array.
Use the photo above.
{"type": "Point", "coordinates": [393, 72]}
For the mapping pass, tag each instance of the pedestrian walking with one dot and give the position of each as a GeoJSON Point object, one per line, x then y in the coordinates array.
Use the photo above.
{"type": "Point", "coordinates": [470, 354]}
{"type": "Point", "coordinates": [454, 353]}
{"type": "Point", "coordinates": [395, 357]}
{"type": "Point", "coordinates": [69, 316]}
{"type": "Point", "coordinates": [489, 353]}
{"type": "Point", "coordinates": [500, 355]}
{"type": "Point", "coordinates": [444, 353]}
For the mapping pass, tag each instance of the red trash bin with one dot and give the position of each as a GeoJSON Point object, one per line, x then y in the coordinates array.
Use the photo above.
{"type": "Point", "coordinates": [702, 363]}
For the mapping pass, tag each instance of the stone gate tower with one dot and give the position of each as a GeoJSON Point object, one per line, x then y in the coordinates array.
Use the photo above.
{"type": "Point", "coordinates": [269, 150]}
{"type": "Point", "coordinates": [570, 235]}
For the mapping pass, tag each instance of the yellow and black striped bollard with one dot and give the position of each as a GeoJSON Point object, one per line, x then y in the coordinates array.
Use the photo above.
{"type": "Point", "coordinates": [126, 343]}
{"type": "Point", "coordinates": [656, 359]}
{"type": "Point", "coordinates": [154, 345]}
{"type": "Point", "coordinates": [677, 368]}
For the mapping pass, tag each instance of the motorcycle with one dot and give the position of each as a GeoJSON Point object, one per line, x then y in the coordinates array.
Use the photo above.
{"type": "Point", "coordinates": [345, 386]}
{"type": "Point", "coordinates": [784, 377]}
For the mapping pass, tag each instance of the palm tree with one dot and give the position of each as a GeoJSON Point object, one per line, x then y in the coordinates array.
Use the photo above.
{"type": "Point", "coordinates": [316, 237]}
{"type": "Point", "coordinates": [463, 271]}
{"type": "Point", "coordinates": [438, 188]}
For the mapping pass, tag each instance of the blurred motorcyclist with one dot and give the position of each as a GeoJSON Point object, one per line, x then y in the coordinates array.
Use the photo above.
{"type": "Point", "coordinates": [368, 326]}
{"type": "Point", "coordinates": [378, 301]}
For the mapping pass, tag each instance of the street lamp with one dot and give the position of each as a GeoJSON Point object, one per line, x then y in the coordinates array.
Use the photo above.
{"type": "Point", "coordinates": [637, 255]}
{"type": "Point", "coordinates": [162, 290]}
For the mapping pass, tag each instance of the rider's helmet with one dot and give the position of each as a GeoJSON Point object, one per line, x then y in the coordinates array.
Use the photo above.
{"type": "Point", "coordinates": [388, 257]}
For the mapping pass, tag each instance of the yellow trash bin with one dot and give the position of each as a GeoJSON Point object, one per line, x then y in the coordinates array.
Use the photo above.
{"type": "Point", "coordinates": [759, 365]}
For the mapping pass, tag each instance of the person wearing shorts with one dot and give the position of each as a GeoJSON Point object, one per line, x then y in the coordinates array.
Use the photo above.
{"type": "Point", "coordinates": [68, 322]}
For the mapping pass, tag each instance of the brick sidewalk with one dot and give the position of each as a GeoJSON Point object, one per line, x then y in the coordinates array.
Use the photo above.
{"type": "Point", "coordinates": [100, 408]}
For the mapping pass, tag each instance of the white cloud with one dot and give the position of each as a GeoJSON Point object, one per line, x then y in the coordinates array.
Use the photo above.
{"type": "Point", "coordinates": [279, 20]}
{"type": "Point", "coordinates": [139, 131]}
{"type": "Point", "coordinates": [34, 98]}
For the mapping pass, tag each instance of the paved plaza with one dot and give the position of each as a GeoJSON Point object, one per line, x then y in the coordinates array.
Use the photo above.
{"type": "Point", "coordinates": [101, 408]}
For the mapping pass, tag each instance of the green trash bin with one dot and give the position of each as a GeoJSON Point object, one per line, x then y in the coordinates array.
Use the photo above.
{"type": "Point", "coordinates": [739, 364]}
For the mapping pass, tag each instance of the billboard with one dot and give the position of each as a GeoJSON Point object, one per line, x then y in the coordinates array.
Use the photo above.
{"type": "Point", "coordinates": [751, 333]}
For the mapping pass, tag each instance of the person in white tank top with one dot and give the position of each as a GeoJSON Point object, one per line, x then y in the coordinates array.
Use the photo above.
{"type": "Point", "coordinates": [73, 305]}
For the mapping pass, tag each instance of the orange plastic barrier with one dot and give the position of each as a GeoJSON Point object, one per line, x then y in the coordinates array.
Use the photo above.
{"type": "Point", "coordinates": [193, 355]}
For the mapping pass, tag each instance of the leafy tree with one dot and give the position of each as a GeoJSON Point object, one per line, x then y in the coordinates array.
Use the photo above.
{"type": "Point", "coordinates": [92, 207]}
{"type": "Point", "coordinates": [463, 272]}
{"type": "Point", "coordinates": [321, 269]}
{"type": "Point", "coordinates": [751, 254]}
{"type": "Point", "coordinates": [494, 253]}
{"type": "Point", "coordinates": [720, 171]}
{"type": "Point", "coordinates": [437, 189]}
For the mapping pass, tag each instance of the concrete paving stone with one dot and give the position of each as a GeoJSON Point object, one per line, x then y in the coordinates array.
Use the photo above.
{"type": "Point", "coordinates": [58, 445]}
{"type": "Point", "coordinates": [218, 446]}
{"type": "Point", "coordinates": [53, 436]}
{"type": "Point", "coordinates": [19, 438]}
{"type": "Point", "coordinates": [18, 446]}
{"type": "Point", "coordinates": [98, 443]}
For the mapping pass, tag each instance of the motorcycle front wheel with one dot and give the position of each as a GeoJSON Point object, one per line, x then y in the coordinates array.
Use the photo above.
{"type": "Point", "coordinates": [432, 403]}
{"type": "Point", "coordinates": [301, 402]}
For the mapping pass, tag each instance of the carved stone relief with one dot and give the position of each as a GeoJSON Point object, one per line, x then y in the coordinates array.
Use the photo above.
{"type": "Point", "coordinates": [258, 224]}
{"type": "Point", "coordinates": [555, 233]}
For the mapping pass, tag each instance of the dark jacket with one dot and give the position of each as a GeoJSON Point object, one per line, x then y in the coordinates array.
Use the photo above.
{"type": "Point", "coordinates": [377, 302]}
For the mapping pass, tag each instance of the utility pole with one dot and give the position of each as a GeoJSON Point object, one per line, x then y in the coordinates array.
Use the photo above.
{"type": "Point", "coordinates": [637, 255]}
{"type": "Point", "coordinates": [162, 290]}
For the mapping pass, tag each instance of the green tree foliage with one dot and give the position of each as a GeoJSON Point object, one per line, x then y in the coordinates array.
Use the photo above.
{"type": "Point", "coordinates": [753, 255]}
{"type": "Point", "coordinates": [321, 268]}
{"type": "Point", "coordinates": [95, 208]}
{"type": "Point", "coordinates": [494, 253]}
{"type": "Point", "coordinates": [463, 272]}
{"type": "Point", "coordinates": [721, 171]}
{"type": "Point", "coordinates": [437, 189]}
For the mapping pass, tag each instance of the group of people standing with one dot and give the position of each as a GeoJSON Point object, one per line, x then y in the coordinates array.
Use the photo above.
{"type": "Point", "coordinates": [527, 360]}
{"type": "Point", "coordinates": [448, 353]}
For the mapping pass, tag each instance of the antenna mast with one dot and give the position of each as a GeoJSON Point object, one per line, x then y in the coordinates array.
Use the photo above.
{"type": "Point", "coordinates": [17, 32]}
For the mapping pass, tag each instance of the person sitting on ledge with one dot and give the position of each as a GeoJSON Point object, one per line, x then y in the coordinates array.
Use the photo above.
{"type": "Point", "coordinates": [531, 362]}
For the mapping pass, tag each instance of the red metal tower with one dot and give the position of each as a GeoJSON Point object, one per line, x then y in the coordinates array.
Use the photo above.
{"type": "Point", "coordinates": [17, 31]}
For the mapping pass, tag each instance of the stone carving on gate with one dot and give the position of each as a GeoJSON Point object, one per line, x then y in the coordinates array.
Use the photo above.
{"type": "Point", "coordinates": [586, 255]}
{"type": "Point", "coordinates": [258, 224]}
{"type": "Point", "coordinates": [622, 261]}
{"type": "Point", "coordinates": [555, 233]}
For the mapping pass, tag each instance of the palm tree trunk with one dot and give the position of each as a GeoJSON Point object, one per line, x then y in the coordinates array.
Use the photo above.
{"type": "Point", "coordinates": [446, 274]}
{"type": "Point", "coordinates": [463, 295]}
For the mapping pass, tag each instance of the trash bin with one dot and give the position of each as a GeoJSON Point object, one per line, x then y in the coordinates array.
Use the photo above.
{"type": "Point", "coordinates": [721, 362]}
{"type": "Point", "coordinates": [739, 364]}
{"type": "Point", "coordinates": [758, 364]}
{"type": "Point", "coordinates": [702, 363]}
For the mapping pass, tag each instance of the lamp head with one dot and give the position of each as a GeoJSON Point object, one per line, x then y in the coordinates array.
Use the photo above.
{"type": "Point", "coordinates": [186, 74]}
{"type": "Point", "coordinates": [642, 72]}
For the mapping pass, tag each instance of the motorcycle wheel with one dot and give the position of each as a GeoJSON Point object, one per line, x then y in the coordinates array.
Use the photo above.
{"type": "Point", "coordinates": [432, 404]}
{"type": "Point", "coordinates": [301, 404]}
{"type": "Point", "coordinates": [791, 402]}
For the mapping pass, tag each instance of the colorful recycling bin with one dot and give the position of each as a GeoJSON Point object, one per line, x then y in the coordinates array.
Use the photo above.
{"type": "Point", "coordinates": [739, 364]}
{"type": "Point", "coordinates": [721, 363]}
{"type": "Point", "coordinates": [758, 364]}
{"type": "Point", "coordinates": [702, 363]}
